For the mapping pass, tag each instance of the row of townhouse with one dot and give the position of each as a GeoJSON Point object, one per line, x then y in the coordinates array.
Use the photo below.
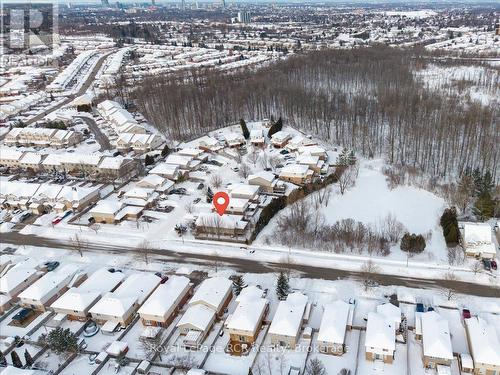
{"type": "Point", "coordinates": [42, 197]}
{"type": "Point", "coordinates": [90, 165]}
{"type": "Point", "coordinates": [241, 213]}
{"type": "Point", "coordinates": [132, 136]}
{"type": "Point", "coordinates": [42, 137]}
{"type": "Point", "coordinates": [384, 328]}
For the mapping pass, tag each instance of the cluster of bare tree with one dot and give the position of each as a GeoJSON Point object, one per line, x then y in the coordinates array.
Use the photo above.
{"type": "Point", "coordinates": [303, 226]}
{"type": "Point", "coordinates": [365, 99]}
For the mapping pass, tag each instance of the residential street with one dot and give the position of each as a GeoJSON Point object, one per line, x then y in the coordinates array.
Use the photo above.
{"type": "Point", "coordinates": [248, 265]}
{"type": "Point", "coordinates": [99, 136]}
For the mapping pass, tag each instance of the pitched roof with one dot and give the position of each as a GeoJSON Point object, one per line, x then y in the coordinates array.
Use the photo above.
{"type": "Point", "coordinates": [288, 317]}
{"type": "Point", "coordinates": [334, 322]}
{"type": "Point", "coordinates": [380, 332]}
{"type": "Point", "coordinates": [198, 316]}
{"type": "Point", "coordinates": [436, 339]}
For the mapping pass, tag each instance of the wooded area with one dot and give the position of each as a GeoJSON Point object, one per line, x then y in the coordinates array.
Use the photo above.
{"type": "Point", "coordinates": [366, 99]}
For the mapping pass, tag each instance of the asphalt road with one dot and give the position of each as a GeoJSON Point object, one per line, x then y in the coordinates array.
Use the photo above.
{"type": "Point", "coordinates": [256, 266]}
{"type": "Point", "coordinates": [80, 92]}
{"type": "Point", "coordinates": [100, 137]}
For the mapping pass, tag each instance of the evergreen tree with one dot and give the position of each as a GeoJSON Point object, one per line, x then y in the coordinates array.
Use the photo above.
{"type": "Point", "coordinates": [282, 287]}
{"type": "Point", "coordinates": [478, 181]}
{"type": "Point", "coordinates": [210, 195]}
{"type": "Point", "coordinates": [487, 183]}
{"type": "Point", "coordinates": [60, 340]}
{"type": "Point", "coordinates": [148, 160]}
{"type": "Point", "coordinates": [413, 243]}
{"type": "Point", "coordinates": [165, 151]}
{"type": "Point", "coordinates": [352, 158]}
{"type": "Point", "coordinates": [3, 360]}
{"type": "Point", "coordinates": [28, 359]}
{"type": "Point", "coordinates": [238, 284]}
{"type": "Point", "coordinates": [343, 158]}
{"type": "Point", "coordinates": [244, 129]}
{"type": "Point", "coordinates": [16, 361]}
{"type": "Point", "coordinates": [449, 224]}
{"type": "Point", "coordinates": [275, 127]}
{"type": "Point", "coordinates": [485, 206]}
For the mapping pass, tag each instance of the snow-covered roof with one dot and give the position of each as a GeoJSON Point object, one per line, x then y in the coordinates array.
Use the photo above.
{"type": "Point", "coordinates": [247, 315]}
{"type": "Point", "coordinates": [165, 169]}
{"type": "Point", "coordinates": [81, 297]}
{"type": "Point", "coordinates": [10, 153]}
{"type": "Point", "coordinates": [288, 317]}
{"type": "Point", "coordinates": [380, 332]}
{"type": "Point", "coordinates": [390, 312]}
{"type": "Point", "coordinates": [477, 233]}
{"type": "Point", "coordinates": [114, 162]}
{"type": "Point", "coordinates": [212, 292]}
{"type": "Point", "coordinates": [134, 289]}
{"type": "Point", "coordinates": [180, 160]}
{"type": "Point", "coordinates": [116, 348]}
{"type": "Point", "coordinates": [243, 190]}
{"type": "Point", "coordinates": [165, 297]}
{"type": "Point", "coordinates": [483, 341]}
{"type": "Point", "coordinates": [198, 316]}
{"type": "Point", "coordinates": [151, 180]}
{"type": "Point", "coordinates": [50, 283]}
{"type": "Point", "coordinates": [334, 322]}
{"type": "Point", "coordinates": [298, 170]}
{"type": "Point", "coordinates": [251, 292]}
{"type": "Point", "coordinates": [280, 136]}
{"type": "Point", "coordinates": [11, 370]}
{"type": "Point", "coordinates": [14, 277]}
{"type": "Point", "coordinates": [214, 220]}
{"type": "Point", "coordinates": [107, 207]}
{"type": "Point", "coordinates": [436, 339]}
{"type": "Point", "coordinates": [265, 175]}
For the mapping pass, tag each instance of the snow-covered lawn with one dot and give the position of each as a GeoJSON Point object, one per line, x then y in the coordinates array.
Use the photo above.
{"type": "Point", "coordinates": [371, 200]}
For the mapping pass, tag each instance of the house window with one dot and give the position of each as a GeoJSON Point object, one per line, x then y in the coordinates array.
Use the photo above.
{"type": "Point", "coordinates": [242, 338]}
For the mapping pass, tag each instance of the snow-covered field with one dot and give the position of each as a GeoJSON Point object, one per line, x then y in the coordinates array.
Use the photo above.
{"type": "Point", "coordinates": [371, 200]}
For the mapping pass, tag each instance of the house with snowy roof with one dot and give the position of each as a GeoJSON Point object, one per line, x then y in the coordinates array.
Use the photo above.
{"type": "Point", "coordinates": [245, 322]}
{"type": "Point", "coordinates": [280, 139]}
{"type": "Point", "coordinates": [215, 293]}
{"type": "Point", "coordinates": [170, 171]}
{"type": "Point", "coordinates": [195, 324]}
{"type": "Point", "coordinates": [212, 225]}
{"type": "Point", "coordinates": [287, 322]}
{"type": "Point", "coordinates": [76, 302]}
{"type": "Point", "coordinates": [436, 340]}
{"type": "Point", "coordinates": [477, 240]}
{"type": "Point", "coordinates": [484, 346]}
{"type": "Point", "coordinates": [43, 292]}
{"type": "Point", "coordinates": [391, 312]}
{"type": "Point", "coordinates": [298, 174]}
{"type": "Point", "coordinates": [18, 278]}
{"type": "Point", "coordinates": [380, 338]}
{"type": "Point", "coordinates": [335, 322]}
{"type": "Point", "coordinates": [118, 307]}
{"type": "Point", "coordinates": [162, 306]}
{"type": "Point", "coordinates": [257, 138]}
{"type": "Point", "coordinates": [210, 144]}
{"type": "Point", "coordinates": [244, 191]}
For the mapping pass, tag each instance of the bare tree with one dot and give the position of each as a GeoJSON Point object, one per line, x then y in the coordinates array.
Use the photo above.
{"type": "Point", "coordinates": [449, 291]}
{"type": "Point", "coordinates": [95, 227]}
{"type": "Point", "coordinates": [144, 250]}
{"type": "Point", "coordinates": [368, 270]}
{"type": "Point", "coordinates": [152, 346]}
{"type": "Point", "coordinates": [253, 157]}
{"type": "Point", "coordinates": [346, 177]}
{"type": "Point", "coordinates": [244, 170]}
{"type": "Point", "coordinates": [216, 181]}
{"type": "Point", "coordinates": [78, 244]}
{"type": "Point", "coordinates": [189, 207]}
{"type": "Point", "coordinates": [476, 267]}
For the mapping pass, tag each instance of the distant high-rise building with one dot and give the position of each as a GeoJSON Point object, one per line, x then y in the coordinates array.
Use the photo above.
{"type": "Point", "coordinates": [223, 3]}
{"type": "Point", "coordinates": [183, 4]}
{"type": "Point", "coordinates": [153, 2]}
{"type": "Point", "coordinates": [243, 17]}
{"type": "Point", "coordinates": [105, 3]}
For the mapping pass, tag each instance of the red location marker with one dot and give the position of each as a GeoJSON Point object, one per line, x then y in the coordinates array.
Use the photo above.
{"type": "Point", "coordinates": [221, 201]}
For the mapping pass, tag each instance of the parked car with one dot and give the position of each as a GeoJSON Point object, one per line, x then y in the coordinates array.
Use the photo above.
{"type": "Point", "coordinates": [51, 266]}
{"type": "Point", "coordinates": [197, 200]}
{"type": "Point", "coordinates": [487, 264]}
{"type": "Point", "coordinates": [493, 264]}
{"type": "Point", "coordinates": [284, 152]}
{"type": "Point", "coordinates": [420, 307]}
{"type": "Point", "coordinates": [466, 314]}
{"type": "Point", "coordinates": [56, 220]}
